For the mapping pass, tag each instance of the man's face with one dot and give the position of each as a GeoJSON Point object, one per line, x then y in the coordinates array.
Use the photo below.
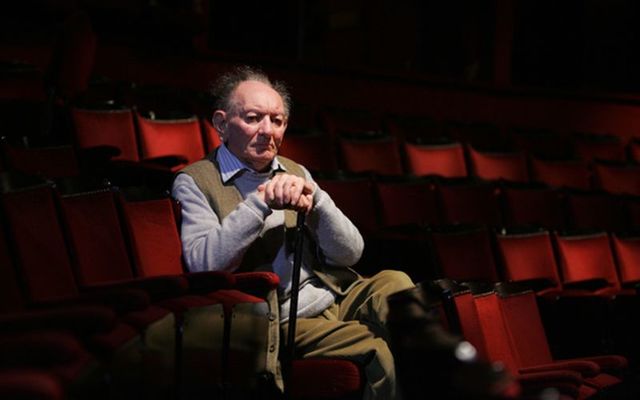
{"type": "Point", "coordinates": [254, 126]}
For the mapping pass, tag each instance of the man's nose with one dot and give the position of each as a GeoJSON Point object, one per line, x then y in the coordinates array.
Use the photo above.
{"type": "Point", "coordinates": [266, 126]}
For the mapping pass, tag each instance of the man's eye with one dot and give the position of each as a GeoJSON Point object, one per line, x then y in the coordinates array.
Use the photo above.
{"type": "Point", "coordinates": [252, 119]}
{"type": "Point", "coordinates": [278, 122]}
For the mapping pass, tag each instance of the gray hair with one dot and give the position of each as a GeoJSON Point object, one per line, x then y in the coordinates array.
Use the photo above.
{"type": "Point", "coordinates": [226, 83]}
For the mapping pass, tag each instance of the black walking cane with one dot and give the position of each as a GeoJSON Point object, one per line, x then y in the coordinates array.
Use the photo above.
{"type": "Point", "coordinates": [293, 307]}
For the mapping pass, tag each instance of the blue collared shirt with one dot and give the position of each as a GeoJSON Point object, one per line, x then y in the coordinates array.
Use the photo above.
{"type": "Point", "coordinates": [230, 165]}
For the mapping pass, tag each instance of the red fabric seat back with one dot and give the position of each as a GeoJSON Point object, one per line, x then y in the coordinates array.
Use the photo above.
{"type": "Point", "coordinates": [627, 251]}
{"type": "Point", "coordinates": [528, 257]}
{"type": "Point", "coordinates": [38, 240]}
{"type": "Point", "coordinates": [528, 206]}
{"type": "Point", "coordinates": [211, 136]}
{"type": "Point", "coordinates": [595, 210]}
{"type": "Point", "coordinates": [585, 258]}
{"type": "Point", "coordinates": [470, 323]}
{"type": "Point", "coordinates": [96, 237]}
{"type": "Point", "coordinates": [446, 160]}
{"type": "Point", "coordinates": [48, 162]}
{"type": "Point", "coordinates": [571, 174]}
{"type": "Point", "coordinates": [465, 254]}
{"type": "Point", "coordinates": [469, 203]}
{"type": "Point", "coordinates": [407, 203]}
{"type": "Point", "coordinates": [315, 151]}
{"type": "Point", "coordinates": [180, 137]}
{"type": "Point", "coordinates": [495, 166]}
{"type": "Point", "coordinates": [494, 331]}
{"type": "Point", "coordinates": [617, 179]}
{"type": "Point", "coordinates": [379, 155]}
{"type": "Point", "coordinates": [354, 196]}
{"type": "Point", "coordinates": [153, 236]}
{"type": "Point", "coordinates": [106, 128]}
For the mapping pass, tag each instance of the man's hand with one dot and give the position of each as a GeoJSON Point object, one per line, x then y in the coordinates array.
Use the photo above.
{"type": "Point", "coordinates": [286, 191]}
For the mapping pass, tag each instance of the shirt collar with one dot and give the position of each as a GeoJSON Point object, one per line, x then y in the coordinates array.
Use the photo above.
{"type": "Point", "coordinates": [230, 165]}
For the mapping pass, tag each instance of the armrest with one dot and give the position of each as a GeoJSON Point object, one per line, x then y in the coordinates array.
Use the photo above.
{"type": "Point", "coordinates": [157, 287]}
{"type": "Point", "coordinates": [607, 362]}
{"type": "Point", "coordinates": [99, 154]}
{"type": "Point", "coordinates": [567, 382]}
{"type": "Point", "coordinates": [208, 281]}
{"type": "Point", "coordinates": [584, 368]}
{"type": "Point", "coordinates": [256, 283]}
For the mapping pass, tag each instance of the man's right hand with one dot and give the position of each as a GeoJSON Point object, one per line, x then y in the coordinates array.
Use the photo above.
{"type": "Point", "coordinates": [285, 191]}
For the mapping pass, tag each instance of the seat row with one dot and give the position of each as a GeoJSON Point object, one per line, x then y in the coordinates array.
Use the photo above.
{"type": "Point", "coordinates": [94, 295]}
{"type": "Point", "coordinates": [375, 203]}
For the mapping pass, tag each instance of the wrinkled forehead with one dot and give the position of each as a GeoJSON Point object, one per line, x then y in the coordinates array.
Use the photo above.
{"type": "Point", "coordinates": [255, 95]}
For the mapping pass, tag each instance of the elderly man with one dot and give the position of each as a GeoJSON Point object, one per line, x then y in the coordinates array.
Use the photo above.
{"type": "Point", "coordinates": [237, 205]}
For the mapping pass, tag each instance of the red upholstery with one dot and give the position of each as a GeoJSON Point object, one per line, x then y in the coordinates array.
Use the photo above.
{"type": "Point", "coordinates": [326, 379]}
{"type": "Point", "coordinates": [586, 259]}
{"type": "Point", "coordinates": [618, 179]}
{"type": "Point", "coordinates": [446, 160]}
{"type": "Point", "coordinates": [495, 166]}
{"type": "Point", "coordinates": [468, 202]}
{"type": "Point", "coordinates": [354, 197]}
{"type": "Point", "coordinates": [465, 254]}
{"type": "Point", "coordinates": [39, 244]}
{"type": "Point", "coordinates": [30, 384]}
{"type": "Point", "coordinates": [379, 155]}
{"type": "Point", "coordinates": [592, 147]}
{"type": "Point", "coordinates": [529, 258]}
{"type": "Point", "coordinates": [406, 202]}
{"type": "Point", "coordinates": [532, 206]}
{"type": "Point", "coordinates": [115, 128]}
{"type": "Point", "coordinates": [313, 150]}
{"type": "Point", "coordinates": [627, 252]}
{"type": "Point", "coordinates": [211, 135]}
{"type": "Point", "coordinates": [49, 161]}
{"type": "Point", "coordinates": [160, 138]}
{"type": "Point", "coordinates": [595, 210]}
{"type": "Point", "coordinates": [571, 174]}
{"type": "Point", "coordinates": [153, 233]}
{"type": "Point", "coordinates": [519, 313]}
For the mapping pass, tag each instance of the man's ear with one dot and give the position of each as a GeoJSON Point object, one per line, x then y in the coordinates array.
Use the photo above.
{"type": "Point", "coordinates": [219, 121]}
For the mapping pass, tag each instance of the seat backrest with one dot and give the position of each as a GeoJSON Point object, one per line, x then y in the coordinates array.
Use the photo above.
{"type": "Point", "coordinates": [96, 237]}
{"type": "Point", "coordinates": [354, 196]}
{"type": "Point", "coordinates": [591, 147]}
{"type": "Point", "coordinates": [314, 150]}
{"type": "Point", "coordinates": [37, 238]}
{"type": "Point", "coordinates": [469, 202]}
{"type": "Point", "coordinates": [529, 258]}
{"type": "Point", "coordinates": [446, 160]}
{"type": "Point", "coordinates": [407, 202]}
{"type": "Point", "coordinates": [465, 253]}
{"type": "Point", "coordinates": [562, 173]}
{"type": "Point", "coordinates": [496, 166]}
{"type": "Point", "coordinates": [617, 179]}
{"type": "Point", "coordinates": [595, 210]}
{"type": "Point", "coordinates": [379, 155]}
{"type": "Point", "coordinates": [113, 127]}
{"type": "Point", "coordinates": [532, 206]}
{"type": "Point", "coordinates": [153, 236]}
{"type": "Point", "coordinates": [524, 327]}
{"type": "Point", "coordinates": [211, 136]}
{"type": "Point", "coordinates": [48, 161]}
{"type": "Point", "coordinates": [627, 252]}
{"type": "Point", "coordinates": [495, 333]}
{"type": "Point", "coordinates": [171, 137]}
{"type": "Point", "coordinates": [586, 261]}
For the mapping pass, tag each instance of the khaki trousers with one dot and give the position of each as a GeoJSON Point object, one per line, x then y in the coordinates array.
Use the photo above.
{"type": "Point", "coordinates": [353, 328]}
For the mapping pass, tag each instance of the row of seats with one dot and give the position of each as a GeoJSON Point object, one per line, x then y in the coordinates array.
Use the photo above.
{"type": "Point", "coordinates": [376, 203]}
{"type": "Point", "coordinates": [503, 323]}
{"type": "Point", "coordinates": [95, 297]}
